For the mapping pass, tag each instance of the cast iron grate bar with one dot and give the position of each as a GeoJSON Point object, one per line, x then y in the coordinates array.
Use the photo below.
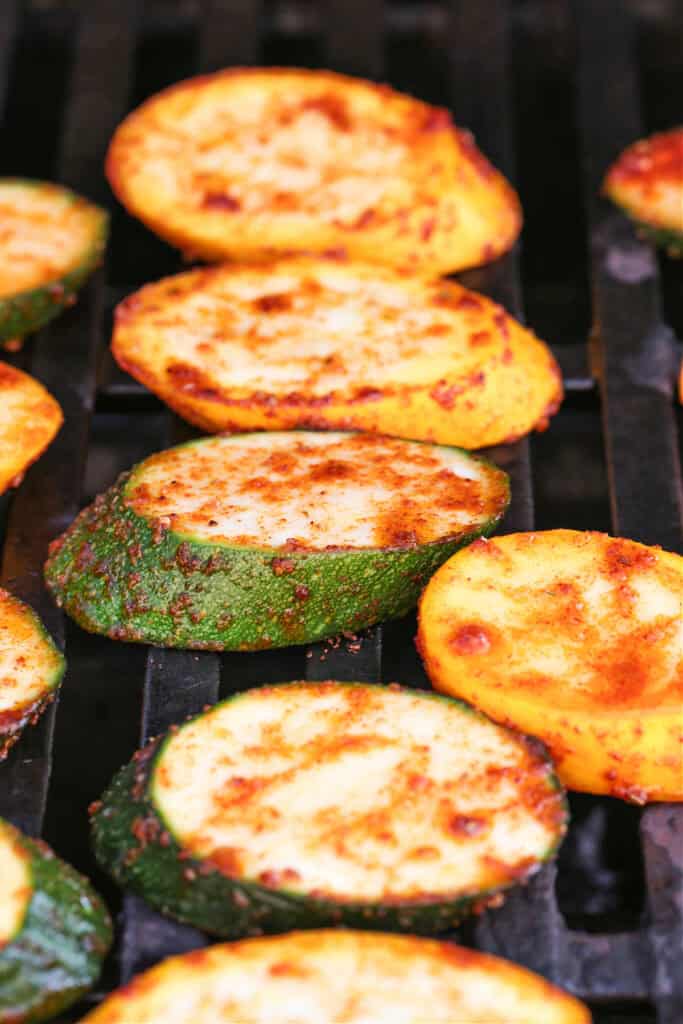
{"type": "Point", "coordinates": [9, 27]}
{"type": "Point", "coordinates": [64, 357]}
{"type": "Point", "coordinates": [637, 365]}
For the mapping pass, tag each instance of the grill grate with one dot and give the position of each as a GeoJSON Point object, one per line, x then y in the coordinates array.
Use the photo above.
{"type": "Point", "coordinates": [459, 54]}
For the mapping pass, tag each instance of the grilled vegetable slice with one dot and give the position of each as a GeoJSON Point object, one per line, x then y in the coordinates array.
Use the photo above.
{"type": "Point", "coordinates": [300, 805]}
{"type": "Point", "coordinates": [335, 976]}
{"type": "Point", "coordinates": [51, 240]}
{"type": "Point", "coordinates": [249, 163]}
{"type": "Point", "coordinates": [29, 419]}
{"type": "Point", "coordinates": [325, 344]}
{"type": "Point", "coordinates": [265, 540]}
{"type": "Point", "coordinates": [647, 181]}
{"type": "Point", "coordinates": [31, 668]}
{"type": "Point", "coordinates": [576, 638]}
{"type": "Point", "coordinates": [54, 931]}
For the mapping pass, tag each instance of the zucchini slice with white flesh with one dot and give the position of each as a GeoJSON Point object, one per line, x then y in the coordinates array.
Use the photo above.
{"type": "Point", "coordinates": [54, 931]}
{"type": "Point", "coordinates": [319, 343]}
{"type": "Point", "coordinates": [50, 241]}
{"type": "Point", "coordinates": [252, 163]}
{"type": "Point", "coordinates": [647, 181]}
{"type": "Point", "coordinates": [265, 540]}
{"type": "Point", "coordinates": [339, 977]}
{"type": "Point", "coordinates": [31, 668]}
{"type": "Point", "coordinates": [306, 804]}
{"type": "Point", "coordinates": [29, 419]}
{"type": "Point", "coordinates": [576, 638]}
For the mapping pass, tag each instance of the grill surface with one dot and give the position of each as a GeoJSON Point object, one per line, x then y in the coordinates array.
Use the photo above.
{"type": "Point", "coordinates": [552, 90]}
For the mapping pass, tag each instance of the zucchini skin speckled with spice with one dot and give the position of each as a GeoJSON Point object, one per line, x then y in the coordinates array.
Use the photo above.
{"type": "Point", "coordinates": [43, 213]}
{"type": "Point", "coordinates": [56, 953]}
{"type": "Point", "coordinates": [647, 182]}
{"type": "Point", "coordinates": [321, 879]}
{"type": "Point", "coordinates": [134, 578]}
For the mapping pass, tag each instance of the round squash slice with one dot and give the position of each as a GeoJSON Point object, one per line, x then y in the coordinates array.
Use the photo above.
{"type": "Point", "coordinates": [266, 540]}
{"type": "Point", "coordinates": [339, 977]}
{"type": "Point", "coordinates": [50, 241]}
{"type": "Point", "coordinates": [301, 805]}
{"type": "Point", "coordinates": [328, 344]}
{"type": "Point", "coordinates": [31, 669]}
{"type": "Point", "coordinates": [251, 163]}
{"type": "Point", "coordinates": [29, 419]}
{"type": "Point", "coordinates": [576, 638]}
{"type": "Point", "coordinates": [647, 181]}
{"type": "Point", "coordinates": [54, 931]}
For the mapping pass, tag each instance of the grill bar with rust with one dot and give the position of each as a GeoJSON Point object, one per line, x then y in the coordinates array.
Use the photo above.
{"type": "Point", "coordinates": [461, 55]}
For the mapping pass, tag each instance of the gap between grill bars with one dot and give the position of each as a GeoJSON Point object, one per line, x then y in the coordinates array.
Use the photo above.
{"type": "Point", "coordinates": [635, 358]}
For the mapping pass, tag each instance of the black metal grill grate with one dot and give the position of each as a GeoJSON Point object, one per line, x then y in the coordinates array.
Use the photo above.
{"type": "Point", "coordinates": [558, 81]}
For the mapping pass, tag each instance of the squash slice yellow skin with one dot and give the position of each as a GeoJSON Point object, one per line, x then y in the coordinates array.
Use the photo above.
{"type": "Point", "coordinates": [247, 164]}
{"type": "Point", "coordinates": [29, 419]}
{"type": "Point", "coordinates": [576, 638]}
{"type": "Point", "coordinates": [335, 976]}
{"type": "Point", "coordinates": [317, 343]}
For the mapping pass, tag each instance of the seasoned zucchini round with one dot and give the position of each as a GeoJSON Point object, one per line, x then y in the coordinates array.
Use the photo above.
{"type": "Point", "coordinates": [300, 805]}
{"type": "Point", "coordinates": [51, 240]}
{"type": "Point", "coordinates": [54, 931]}
{"type": "Point", "coordinates": [31, 669]}
{"type": "Point", "coordinates": [251, 163]}
{"type": "Point", "coordinates": [576, 638]}
{"type": "Point", "coordinates": [335, 976]}
{"type": "Point", "coordinates": [265, 540]}
{"type": "Point", "coordinates": [29, 419]}
{"type": "Point", "coordinates": [319, 343]}
{"type": "Point", "coordinates": [647, 181]}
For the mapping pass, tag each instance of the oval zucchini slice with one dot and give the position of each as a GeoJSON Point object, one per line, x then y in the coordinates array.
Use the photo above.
{"type": "Point", "coordinates": [301, 805]}
{"type": "Point", "coordinates": [265, 540]}
{"type": "Point", "coordinates": [576, 638]}
{"type": "Point", "coordinates": [51, 240]}
{"type": "Point", "coordinates": [251, 163]}
{"type": "Point", "coordinates": [647, 181]}
{"type": "Point", "coordinates": [318, 343]}
{"type": "Point", "coordinates": [29, 419]}
{"type": "Point", "coordinates": [54, 931]}
{"type": "Point", "coordinates": [31, 669]}
{"type": "Point", "coordinates": [339, 976]}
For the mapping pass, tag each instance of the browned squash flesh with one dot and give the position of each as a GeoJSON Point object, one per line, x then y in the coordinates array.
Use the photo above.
{"type": "Point", "coordinates": [29, 419]}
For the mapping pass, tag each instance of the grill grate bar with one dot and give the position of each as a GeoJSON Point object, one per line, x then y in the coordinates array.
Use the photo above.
{"type": "Point", "coordinates": [230, 33]}
{"type": "Point", "coordinates": [9, 27]}
{"type": "Point", "coordinates": [64, 358]}
{"type": "Point", "coordinates": [637, 363]}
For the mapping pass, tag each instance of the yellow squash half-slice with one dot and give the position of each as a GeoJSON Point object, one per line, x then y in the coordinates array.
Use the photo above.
{"type": "Point", "coordinates": [576, 638]}
{"type": "Point", "coordinates": [29, 419]}
{"type": "Point", "coordinates": [251, 163]}
{"type": "Point", "coordinates": [318, 343]}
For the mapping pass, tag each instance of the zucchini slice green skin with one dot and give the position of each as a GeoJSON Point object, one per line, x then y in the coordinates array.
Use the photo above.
{"type": "Point", "coordinates": [57, 954]}
{"type": "Point", "coordinates": [14, 719]}
{"type": "Point", "coordinates": [29, 310]}
{"type": "Point", "coordinates": [117, 573]}
{"type": "Point", "coordinates": [670, 240]}
{"type": "Point", "coordinates": [132, 842]}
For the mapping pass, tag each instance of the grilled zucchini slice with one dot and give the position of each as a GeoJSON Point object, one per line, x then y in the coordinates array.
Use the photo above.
{"type": "Point", "coordinates": [647, 181]}
{"type": "Point", "coordinates": [306, 804]}
{"type": "Point", "coordinates": [251, 163]}
{"type": "Point", "coordinates": [265, 540]}
{"type": "Point", "coordinates": [576, 638]}
{"type": "Point", "coordinates": [54, 931]}
{"type": "Point", "coordinates": [324, 344]}
{"type": "Point", "coordinates": [31, 669]}
{"type": "Point", "coordinates": [50, 241]}
{"type": "Point", "coordinates": [338, 976]}
{"type": "Point", "coordinates": [29, 419]}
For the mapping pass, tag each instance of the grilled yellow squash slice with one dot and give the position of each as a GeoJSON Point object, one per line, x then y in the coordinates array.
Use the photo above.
{"type": "Point", "coordinates": [29, 419]}
{"type": "Point", "coordinates": [576, 638]}
{"type": "Point", "coordinates": [647, 181]}
{"type": "Point", "coordinates": [317, 343]}
{"type": "Point", "coordinates": [251, 163]}
{"type": "Point", "coordinates": [330, 977]}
